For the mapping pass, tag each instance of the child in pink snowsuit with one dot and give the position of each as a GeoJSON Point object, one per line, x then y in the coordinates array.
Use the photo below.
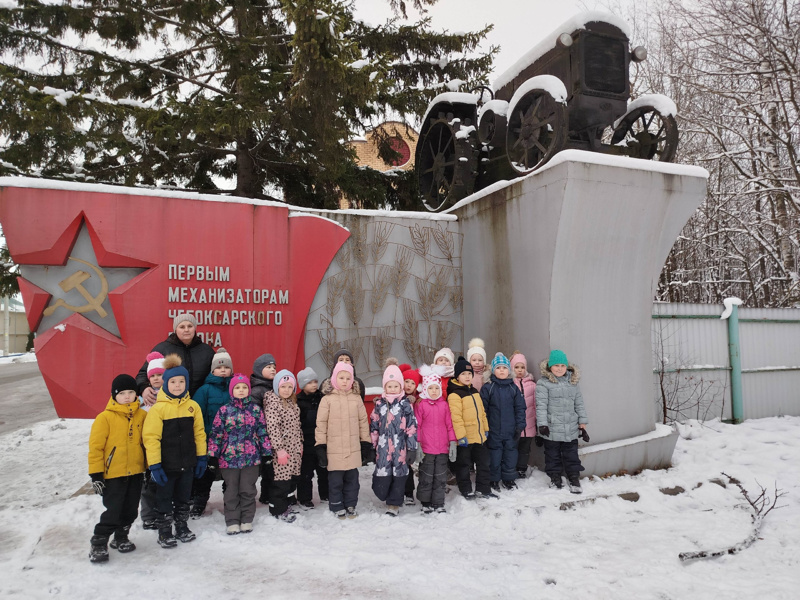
{"type": "Point", "coordinates": [438, 441]}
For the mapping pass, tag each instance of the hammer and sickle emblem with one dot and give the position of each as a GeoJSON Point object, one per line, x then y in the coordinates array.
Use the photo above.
{"type": "Point", "coordinates": [75, 282]}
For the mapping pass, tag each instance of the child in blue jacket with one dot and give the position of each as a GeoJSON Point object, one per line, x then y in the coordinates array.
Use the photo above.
{"type": "Point", "coordinates": [505, 411]}
{"type": "Point", "coordinates": [211, 396]}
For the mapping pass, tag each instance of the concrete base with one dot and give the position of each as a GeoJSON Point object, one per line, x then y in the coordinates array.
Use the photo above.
{"type": "Point", "coordinates": [568, 257]}
{"type": "Point", "coordinates": [650, 451]}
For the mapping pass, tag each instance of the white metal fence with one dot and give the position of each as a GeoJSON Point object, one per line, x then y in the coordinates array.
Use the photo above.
{"type": "Point", "coordinates": [691, 364]}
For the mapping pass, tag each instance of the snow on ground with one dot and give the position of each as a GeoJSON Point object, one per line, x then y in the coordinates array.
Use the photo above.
{"type": "Point", "coordinates": [18, 358]}
{"type": "Point", "coordinates": [521, 545]}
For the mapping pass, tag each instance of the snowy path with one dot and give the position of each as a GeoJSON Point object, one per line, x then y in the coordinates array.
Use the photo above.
{"type": "Point", "coordinates": [519, 546]}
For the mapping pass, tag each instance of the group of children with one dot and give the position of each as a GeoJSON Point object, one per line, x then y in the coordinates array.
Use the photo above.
{"type": "Point", "coordinates": [448, 418]}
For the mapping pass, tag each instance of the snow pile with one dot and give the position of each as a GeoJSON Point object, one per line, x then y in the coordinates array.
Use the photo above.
{"type": "Point", "coordinates": [519, 545]}
{"type": "Point", "coordinates": [18, 358]}
{"type": "Point", "coordinates": [729, 303]}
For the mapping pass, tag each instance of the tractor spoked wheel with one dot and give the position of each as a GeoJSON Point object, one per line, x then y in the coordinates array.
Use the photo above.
{"type": "Point", "coordinates": [446, 164]}
{"type": "Point", "coordinates": [646, 133]}
{"type": "Point", "coordinates": [537, 128]}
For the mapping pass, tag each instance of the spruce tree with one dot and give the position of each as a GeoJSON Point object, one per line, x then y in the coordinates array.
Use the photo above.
{"type": "Point", "coordinates": [263, 94]}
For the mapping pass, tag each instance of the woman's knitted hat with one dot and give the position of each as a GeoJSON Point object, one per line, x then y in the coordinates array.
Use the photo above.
{"type": "Point", "coordinates": [236, 379]}
{"type": "Point", "coordinates": [181, 318]}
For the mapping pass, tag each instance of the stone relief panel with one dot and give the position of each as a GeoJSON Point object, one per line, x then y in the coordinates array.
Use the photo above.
{"type": "Point", "coordinates": [394, 289]}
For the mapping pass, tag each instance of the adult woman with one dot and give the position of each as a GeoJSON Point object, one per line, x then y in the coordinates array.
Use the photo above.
{"type": "Point", "coordinates": [195, 354]}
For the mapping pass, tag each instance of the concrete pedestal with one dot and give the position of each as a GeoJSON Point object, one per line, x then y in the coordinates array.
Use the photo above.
{"type": "Point", "coordinates": [568, 258]}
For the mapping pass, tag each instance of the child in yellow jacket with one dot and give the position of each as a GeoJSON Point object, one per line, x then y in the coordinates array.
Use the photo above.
{"type": "Point", "coordinates": [175, 440]}
{"type": "Point", "coordinates": [116, 466]}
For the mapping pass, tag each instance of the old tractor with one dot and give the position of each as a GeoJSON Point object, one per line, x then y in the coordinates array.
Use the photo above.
{"type": "Point", "coordinates": [570, 91]}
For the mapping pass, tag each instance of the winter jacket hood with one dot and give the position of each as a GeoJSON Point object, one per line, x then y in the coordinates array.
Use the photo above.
{"type": "Point", "coordinates": [327, 388]}
{"type": "Point", "coordinates": [115, 442]}
{"type": "Point", "coordinates": [572, 371]}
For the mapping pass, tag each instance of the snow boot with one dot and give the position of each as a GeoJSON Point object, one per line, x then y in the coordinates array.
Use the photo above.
{"type": "Point", "coordinates": [427, 508]}
{"type": "Point", "coordinates": [555, 482]}
{"type": "Point", "coordinates": [121, 542]}
{"type": "Point", "coordinates": [198, 508]}
{"type": "Point", "coordinates": [99, 549]}
{"type": "Point", "coordinates": [522, 473]}
{"type": "Point", "coordinates": [495, 486]}
{"type": "Point", "coordinates": [287, 516]}
{"type": "Point", "coordinates": [392, 511]}
{"type": "Point", "coordinates": [440, 510]}
{"type": "Point", "coordinates": [149, 525]}
{"type": "Point", "coordinates": [246, 528]}
{"type": "Point", "coordinates": [574, 483]}
{"type": "Point", "coordinates": [165, 537]}
{"type": "Point", "coordinates": [234, 529]}
{"type": "Point", "coordinates": [469, 496]}
{"type": "Point", "coordinates": [307, 505]}
{"type": "Point", "coordinates": [352, 513]}
{"type": "Point", "coordinates": [182, 532]}
{"type": "Point", "coordinates": [510, 484]}
{"type": "Point", "coordinates": [486, 495]}
{"type": "Point", "coordinates": [409, 501]}
{"type": "Point", "coordinates": [341, 514]}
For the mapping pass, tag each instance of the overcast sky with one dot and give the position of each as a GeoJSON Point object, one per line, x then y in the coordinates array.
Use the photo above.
{"type": "Point", "coordinates": [518, 24]}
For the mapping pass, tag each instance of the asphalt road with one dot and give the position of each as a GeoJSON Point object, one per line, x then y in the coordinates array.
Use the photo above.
{"type": "Point", "coordinates": [24, 399]}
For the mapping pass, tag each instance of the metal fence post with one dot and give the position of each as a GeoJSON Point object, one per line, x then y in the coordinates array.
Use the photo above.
{"type": "Point", "coordinates": [736, 365]}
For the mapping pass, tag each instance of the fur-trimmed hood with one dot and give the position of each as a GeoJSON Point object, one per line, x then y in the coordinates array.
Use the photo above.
{"type": "Point", "coordinates": [327, 387]}
{"type": "Point", "coordinates": [574, 378]}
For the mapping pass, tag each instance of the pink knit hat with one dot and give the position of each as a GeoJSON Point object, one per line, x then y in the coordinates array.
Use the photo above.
{"type": "Point", "coordinates": [519, 358]}
{"type": "Point", "coordinates": [155, 363]}
{"type": "Point", "coordinates": [429, 377]}
{"type": "Point", "coordinates": [236, 379]}
{"type": "Point", "coordinates": [338, 368]}
{"type": "Point", "coordinates": [392, 373]}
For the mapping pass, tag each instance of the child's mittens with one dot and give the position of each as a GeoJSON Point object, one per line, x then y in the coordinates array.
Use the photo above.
{"type": "Point", "coordinates": [463, 442]}
{"type": "Point", "coordinates": [98, 483]}
{"type": "Point", "coordinates": [322, 455]}
{"type": "Point", "coordinates": [159, 476]}
{"type": "Point", "coordinates": [283, 457]}
{"type": "Point", "coordinates": [584, 435]}
{"type": "Point", "coordinates": [200, 467]}
{"type": "Point", "coordinates": [544, 431]}
{"type": "Point", "coordinates": [453, 452]}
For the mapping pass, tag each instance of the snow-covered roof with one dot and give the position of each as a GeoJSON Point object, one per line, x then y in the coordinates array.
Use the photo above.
{"type": "Point", "coordinates": [579, 21]}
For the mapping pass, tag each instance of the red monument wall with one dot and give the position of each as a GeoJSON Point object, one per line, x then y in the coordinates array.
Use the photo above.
{"type": "Point", "coordinates": [105, 269]}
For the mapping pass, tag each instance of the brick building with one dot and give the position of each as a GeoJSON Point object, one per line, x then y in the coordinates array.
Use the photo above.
{"type": "Point", "coordinates": [404, 141]}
